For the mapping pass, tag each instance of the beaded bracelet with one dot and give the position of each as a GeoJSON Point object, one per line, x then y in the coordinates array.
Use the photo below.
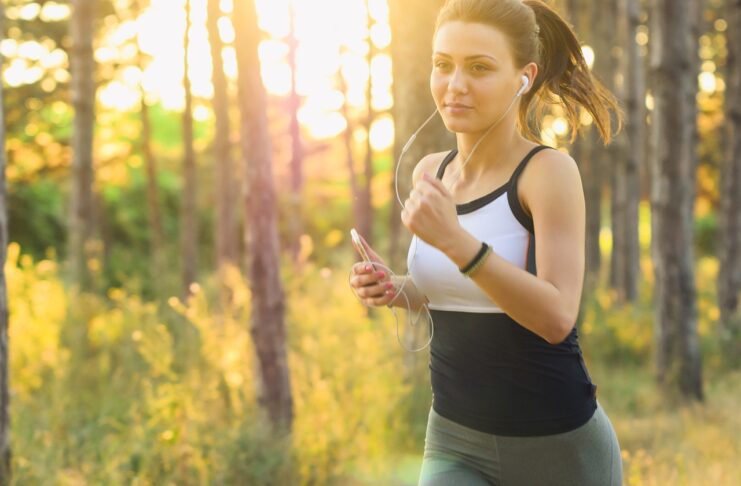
{"type": "Point", "coordinates": [477, 261]}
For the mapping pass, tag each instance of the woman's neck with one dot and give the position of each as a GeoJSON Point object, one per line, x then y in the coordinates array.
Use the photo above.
{"type": "Point", "coordinates": [495, 151]}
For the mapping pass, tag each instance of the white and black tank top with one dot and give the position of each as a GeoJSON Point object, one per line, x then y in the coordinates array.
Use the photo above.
{"type": "Point", "coordinates": [487, 371]}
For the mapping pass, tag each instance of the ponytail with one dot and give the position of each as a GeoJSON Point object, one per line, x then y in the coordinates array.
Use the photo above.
{"type": "Point", "coordinates": [566, 78]}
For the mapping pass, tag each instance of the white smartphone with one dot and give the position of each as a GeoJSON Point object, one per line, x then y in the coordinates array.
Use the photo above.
{"type": "Point", "coordinates": [359, 245]}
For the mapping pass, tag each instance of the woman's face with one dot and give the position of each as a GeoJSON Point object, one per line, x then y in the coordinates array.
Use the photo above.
{"type": "Point", "coordinates": [473, 76]}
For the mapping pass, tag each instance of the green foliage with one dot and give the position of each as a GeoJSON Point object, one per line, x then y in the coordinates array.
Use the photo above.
{"type": "Point", "coordinates": [35, 216]}
{"type": "Point", "coordinates": [128, 391]}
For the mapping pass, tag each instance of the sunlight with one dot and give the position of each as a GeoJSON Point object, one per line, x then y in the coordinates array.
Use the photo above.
{"type": "Point", "coordinates": [588, 54]}
{"type": "Point", "coordinates": [328, 46]}
{"type": "Point", "coordinates": [382, 133]}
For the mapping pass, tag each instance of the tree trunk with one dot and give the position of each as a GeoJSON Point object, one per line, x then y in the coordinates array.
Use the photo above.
{"type": "Point", "coordinates": [347, 139]}
{"type": "Point", "coordinates": [225, 190]}
{"type": "Point", "coordinates": [627, 182]}
{"type": "Point", "coordinates": [580, 14]}
{"type": "Point", "coordinates": [729, 278]}
{"type": "Point", "coordinates": [189, 230]}
{"type": "Point", "coordinates": [83, 102]}
{"type": "Point", "coordinates": [263, 248]}
{"type": "Point", "coordinates": [411, 52]}
{"type": "Point", "coordinates": [672, 198]}
{"type": "Point", "coordinates": [154, 216]}
{"type": "Point", "coordinates": [365, 223]}
{"type": "Point", "coordinates": [5, 450]}
{"type": "Point", "coordinates": [297, 150]}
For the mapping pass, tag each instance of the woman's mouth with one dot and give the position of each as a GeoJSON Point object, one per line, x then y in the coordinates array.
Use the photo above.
{"type": "Point", "coordinates": [457, 108]}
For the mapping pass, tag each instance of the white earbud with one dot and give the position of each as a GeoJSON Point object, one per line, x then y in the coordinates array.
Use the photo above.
{"type": "Point", "coordinates": [525, 84]}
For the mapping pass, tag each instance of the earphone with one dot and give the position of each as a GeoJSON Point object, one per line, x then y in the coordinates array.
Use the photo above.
{"type": "Point", "coordinates": [525, 84]}
{"type": "Point", "coordinates": [399, 291]}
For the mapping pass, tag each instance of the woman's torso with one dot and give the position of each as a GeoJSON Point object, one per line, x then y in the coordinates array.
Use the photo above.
{"type": "Point", "coordinates": [487, 371]}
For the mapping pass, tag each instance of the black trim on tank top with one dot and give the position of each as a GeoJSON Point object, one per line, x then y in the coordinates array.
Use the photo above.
{"type": "Point", "coordinates": [471, 206]}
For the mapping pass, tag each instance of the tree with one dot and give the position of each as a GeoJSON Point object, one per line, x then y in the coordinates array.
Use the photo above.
{"type": "Point", "coordinates": [626, 184]}
{"type": "Point", "coordinates": [411, 51]}
{"type": "Point", "coordinates": [154, 216]}
{"type": "Point", "coordinates": [583, 16]}
{"type": "Point", "coordinates": [297, 149]}
{"type": "Point", "coordinates": [226, 222]}
{"type": "Point", "coordinates": [5, 454]}
{"type": "Point", "coordinates": [729, 277]}
{"type": "Point", "coordinates": [189, 229]}
{"type": "Point", "coordinates": [83, 101]}
{"type": "Point", "coordinates": [672, 197]}
{"type": "Point", "coordinates": [263, 248]}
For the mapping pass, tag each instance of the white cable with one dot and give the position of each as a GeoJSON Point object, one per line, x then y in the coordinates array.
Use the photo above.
{"type": "Point", "coordinates": [396, 187]}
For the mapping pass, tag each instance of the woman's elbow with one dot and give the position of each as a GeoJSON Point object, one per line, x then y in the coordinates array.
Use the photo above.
{"type": "Point", "coordinates": [561, 330]}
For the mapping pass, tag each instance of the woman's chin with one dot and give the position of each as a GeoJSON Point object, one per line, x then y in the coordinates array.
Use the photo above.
{"type": "Point", "coordinates": [460, 126]}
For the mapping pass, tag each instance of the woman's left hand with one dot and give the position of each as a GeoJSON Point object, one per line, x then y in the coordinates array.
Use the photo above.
{"type": "Point", "coordinates": [430, 213]}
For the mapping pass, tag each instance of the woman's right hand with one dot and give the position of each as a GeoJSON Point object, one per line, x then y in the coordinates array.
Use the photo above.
{"type": "Point", "coordinates": [372, 285]}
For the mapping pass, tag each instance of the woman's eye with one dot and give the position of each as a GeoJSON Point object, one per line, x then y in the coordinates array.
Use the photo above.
{"type": "Point", "coordinates": [479, 67]}
{"type": "Point", "coordinates": [441, 65]}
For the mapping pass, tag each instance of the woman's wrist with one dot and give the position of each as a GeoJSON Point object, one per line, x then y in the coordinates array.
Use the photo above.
{"type": "Point", "coordinates": [462, 248]}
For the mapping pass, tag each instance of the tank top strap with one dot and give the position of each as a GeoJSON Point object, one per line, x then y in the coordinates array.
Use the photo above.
{"type": "Point", "coordinates": [448, 158]}
{"type": "Point", "coordinates": [523, 163]}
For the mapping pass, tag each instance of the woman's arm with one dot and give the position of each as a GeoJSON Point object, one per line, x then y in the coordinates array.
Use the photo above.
{"type": "Point", "coordinates": [546, 304]}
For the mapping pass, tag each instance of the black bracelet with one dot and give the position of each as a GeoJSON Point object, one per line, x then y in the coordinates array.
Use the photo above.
{"type": "Point", "coordinates": [475, 260]}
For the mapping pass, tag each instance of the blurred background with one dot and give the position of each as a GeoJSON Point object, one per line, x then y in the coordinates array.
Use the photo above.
{"type": "Point", "coordinates": [180, 180]}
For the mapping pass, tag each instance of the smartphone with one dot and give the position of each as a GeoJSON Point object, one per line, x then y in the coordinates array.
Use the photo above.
{"type": "Point", "coordinates": [359, 245]}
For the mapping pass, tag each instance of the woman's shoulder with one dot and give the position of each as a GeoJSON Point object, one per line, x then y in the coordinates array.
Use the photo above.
{"type": "Point", "coordinates": [429, 163]}
{"type": "Point", "coordinates": [553, 168]}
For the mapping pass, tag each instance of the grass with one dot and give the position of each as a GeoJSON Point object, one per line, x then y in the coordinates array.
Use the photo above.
{"type": "Point", "coordinates": [695, 444]}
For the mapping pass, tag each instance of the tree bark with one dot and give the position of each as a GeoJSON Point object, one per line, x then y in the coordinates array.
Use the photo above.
{"type": "Point", "coordinates": [5, 449]}
{"type": "Point", "coordinates": [154, 216]}
{"type": "Point", "coordinates": [297, 149]}
{"type": "Point", "coordinates": [729, 277]}
{"type": "Point", "coordinates": [225, 190]}
{"type": "Point", "coordinates": [365, 223]}
{"type": "Point", "coordinates": [627, 181]}
{"type": "Point", "coordinates": [263, 248]}
{"type": "Point", "coordinates": [189, 229]}
{"type": "Point", "coordinates": [347, 138]}
{"type": "Point", "coordinates": [672, 198]}
{"type": "Point", "coordinates": [581, 16]}
{"type": "Point", "coordinates": [83, 102]}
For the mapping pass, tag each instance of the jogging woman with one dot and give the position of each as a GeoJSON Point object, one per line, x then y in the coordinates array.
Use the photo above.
{"type": "Point", "coordinates": [499, 224]}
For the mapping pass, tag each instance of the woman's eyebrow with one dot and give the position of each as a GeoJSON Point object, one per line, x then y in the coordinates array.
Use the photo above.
{"type": "Point", "coordinates": [475, 56]}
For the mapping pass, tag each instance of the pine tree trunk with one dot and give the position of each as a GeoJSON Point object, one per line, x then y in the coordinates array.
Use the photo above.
{"type": "Point", "coordinates": [580, 16]}
{"type": "Point", "coordinates": [225, 190]}
{"type": "Point", "coordinates": [83, 102]}
{"type": "Point", "coordinates": [5, 449]}
{"type": "Point", "coordinates": [672, 198]}
{"type": "Point", "coordinates": [365, 224]}
{"type": "Point", "coordinates": [263, 249]}
{"type": "Point", "coordinates": [628, 181]}
{"type": "Point", "coordinates": [189, 230]}
{"type": "Point", "coordinates": [411, 51]}
{"type": "Point", "coordinates": [297, 150]}
{"type": "Point", "coordinates": [729, 278]}
{"type": "Point", "coordinates": [347, 138]}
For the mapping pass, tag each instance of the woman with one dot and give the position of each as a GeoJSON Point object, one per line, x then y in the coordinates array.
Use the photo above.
{"type": "Point", "coordinates": [513, 403]}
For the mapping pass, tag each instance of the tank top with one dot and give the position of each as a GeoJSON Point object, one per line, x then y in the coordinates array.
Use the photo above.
{"type": "Point", "coordinates": [488, 372]}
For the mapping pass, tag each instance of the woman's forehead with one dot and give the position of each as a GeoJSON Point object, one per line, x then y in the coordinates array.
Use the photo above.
{"type": "Point", "coordinates": [468, 39]}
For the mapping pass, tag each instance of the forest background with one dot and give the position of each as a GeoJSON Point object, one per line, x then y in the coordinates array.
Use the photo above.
{"type": "Point", "coordinates": [179, 181]}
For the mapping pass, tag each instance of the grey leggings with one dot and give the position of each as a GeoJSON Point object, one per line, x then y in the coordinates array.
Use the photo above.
{"type": "Point", "coordinates": [457, 455]}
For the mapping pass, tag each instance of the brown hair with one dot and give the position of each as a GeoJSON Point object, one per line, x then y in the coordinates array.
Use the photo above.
{"type": "Point", "coordinates": [537, 33]}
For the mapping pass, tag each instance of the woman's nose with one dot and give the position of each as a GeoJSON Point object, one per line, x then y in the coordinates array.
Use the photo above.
{"type": "Point", "coordinates": [457, 82]}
